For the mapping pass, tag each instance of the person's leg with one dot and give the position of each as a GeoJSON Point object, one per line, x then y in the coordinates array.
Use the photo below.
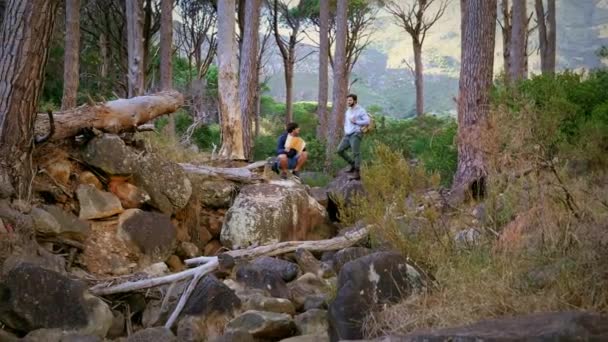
{"type": "Point", "coordinates": [301, 161]}
{"type": "Point", "coordinates": [355, 143]}
{"type": "Point", "coordinates": [283, 164]}
{"type": "Point", "coordinates": [292, 162]}
{"type": "Point", "coordinates": [345, 145]}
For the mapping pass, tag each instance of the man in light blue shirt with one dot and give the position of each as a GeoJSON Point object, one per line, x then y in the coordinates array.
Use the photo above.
{"type": "Point", "coordinates": [356, 117]}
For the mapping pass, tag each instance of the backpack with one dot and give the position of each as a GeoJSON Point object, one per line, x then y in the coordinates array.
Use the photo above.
{"type": "Point", "coordinates": [369, 127]}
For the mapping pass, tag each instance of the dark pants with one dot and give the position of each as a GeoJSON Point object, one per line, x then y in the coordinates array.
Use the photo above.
{"type": "Point", "coordinates": [351, 141]}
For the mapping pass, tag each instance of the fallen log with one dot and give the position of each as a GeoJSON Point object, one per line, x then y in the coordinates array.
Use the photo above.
{"type": "Point", "coordinates": [210, 264]}
{"type": "Point", "coordinates": [112, 117]}
{"type": "Point", "coordinates": [237, 174]}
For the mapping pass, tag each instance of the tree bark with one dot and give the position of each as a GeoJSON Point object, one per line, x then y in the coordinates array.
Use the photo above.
{"type": "Point", "coordinates": [72, 54]}
{"type": "Point", "coordinates": [249, 70]}
{"type": "Point", "coordinates": [547, 35]}
{"type": "Point", "coordinates": [166, 45]}
{"type": "Point", "coordinates": [112, 117]}
{"type": "Point", "coordinates": [506, 38]}
{"type": "Point", "coordinates": [323, 69]}
{"type": "Point", "coordinates": [105, 57]}
{"type": "Point", "coordinates": [336, 121]}
{"type": "Point", "coordinates": [136, 47]}
{"type": "Point", "coordinates": [419, 78]}
{"type": "Point", "coordinates": [478, 28]}
{"type": "Point", "coordinates": [229, 105]}
{"type": "Point", "coordinates": [519, 31]}
{"type": "Point", "coordinates": [25, 32]}
{"type": "Point", "coordinates": [289, 71]}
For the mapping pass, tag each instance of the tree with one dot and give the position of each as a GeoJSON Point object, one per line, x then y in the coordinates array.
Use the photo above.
{"type": "Point", "coordinates": [505, 26]}
{"type": "Point", "coordinates": [517, 48]}
{"type": "Point", "coordinates": [72, 54]}
{"type": "Point", "coordinates": [547, 35]}
{"type": "Point", "coordinates": [25, 32]}
{"type": "Point", "coordinates": [136, 47]}
{"type": "Point", "coordinates": [478, 28]}
{"type": "Point", "coordinates": [287, 47]}
{"type": "Point", "coordinates": [230, 108]}
{"type": "Point", "coordinates": [166, 45]}
{"type": "Point", "coordinates": [412, 19]}
{"type": "Point", "coordinates": [249, 70]}
{"type": "Point", "coordinates": [340, 81]}
{"type": "Point", "coordinates": [323, 68]}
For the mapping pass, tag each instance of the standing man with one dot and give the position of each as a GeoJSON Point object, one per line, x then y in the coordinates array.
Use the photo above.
{"type": "Point", "coordinates": [354, 120]}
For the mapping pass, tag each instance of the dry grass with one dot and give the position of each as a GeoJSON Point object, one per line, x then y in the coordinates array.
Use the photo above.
{"type": "Point", "coordinates": [544, 243]}
{"type": "Point", "coordinates": [171, 149]}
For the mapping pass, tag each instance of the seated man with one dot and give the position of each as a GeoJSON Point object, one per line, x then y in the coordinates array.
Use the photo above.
{"type": "Point", "coordinates": [291, 151]}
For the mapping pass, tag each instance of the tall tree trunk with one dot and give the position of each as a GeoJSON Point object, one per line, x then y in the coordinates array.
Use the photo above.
{"type": "Point", "coordinates": [2, 9]}
{"type": "Point", "coordinates": [506, 38]}
{"type": "Point", "coordinates": [547, 35]}
{"type": "Point", "coordinates": [72, 54]}
{"type": "Point", "coordinates": [166, 52]}
{"type": "Point", "coordinates": [419, 78]}
{"type": "Point", "coordinates": [478, 28]}
{"type": "Point", "coordinates": [323, 69]}
{"type": "Point", "coordinates": [289, 67]}
{"type": "Point", "coordinates": [229, 105]}
{"type": "Point", "coordinates": [136, 47]}
{"type": "Point", "coordinates": [258, 109]}
{"type": "Point", "coordinates": [249, 70]}
{"type": "Point", "coordinates": [26, 33]}
{"type": "Point", "coordinates": [340, 82]}
{"type": "Point", "coordinates": [105, 57]}
{"type": "Point", "coordinates": [518, 40]}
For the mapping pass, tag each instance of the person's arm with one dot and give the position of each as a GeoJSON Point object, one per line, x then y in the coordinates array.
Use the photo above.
{"type": "Point", "coordinates": [281, 145]}
{"type": "Point", "coordinates": [362, 118]}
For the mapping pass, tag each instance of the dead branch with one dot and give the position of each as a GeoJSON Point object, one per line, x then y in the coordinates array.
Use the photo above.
{"type": "Point", "coordinates": [238, 174]}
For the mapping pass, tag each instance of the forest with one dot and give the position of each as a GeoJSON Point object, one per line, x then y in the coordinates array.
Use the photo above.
{"type": "Point", "coordinates": [142, 189]}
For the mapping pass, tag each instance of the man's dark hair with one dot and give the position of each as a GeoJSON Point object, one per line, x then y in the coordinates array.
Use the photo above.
{"type": "Point", "coordinates": [352, 96]}
{"type": "Point", "coordinates": [291, 127]}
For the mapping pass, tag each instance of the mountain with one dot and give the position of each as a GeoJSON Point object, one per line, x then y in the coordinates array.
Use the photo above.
{"type": "Point", "coordinates": [381, 78]}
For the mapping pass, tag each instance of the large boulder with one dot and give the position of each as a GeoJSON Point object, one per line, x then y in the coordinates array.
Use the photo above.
{"type": "Point", "coordinates": [288, 270]}
{"type": "Point", "coordinates": [106, 253]}
{"type": "Point", "coordinates": [256, 277]}
{"type": "Point", "coordinates": [342, 191]}
{"type": "Point", "coordinates": [51, 220]}
{"type": "Point", "coordinates": [365, 283]}
{"type": "Point", "coordinates": [152, 233]}
{"type": "Point", "coordinates": [214, 193]}
{"type": "Point", "coordinates": [554, 326]}
{"type": "Point", "coordinates": [37, 298]}
{"type": "Point", "coordinates": [110, 154]}
{"type": "Point", "coordinates": [263, 324]}
{"type": "Point", "coordinates": [272, 212]}
{"type": "Point", "coordinates": [97, 204]}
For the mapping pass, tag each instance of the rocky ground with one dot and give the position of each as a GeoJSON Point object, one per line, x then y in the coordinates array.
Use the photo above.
{"type": "Point", "coordinates": [108, 211]}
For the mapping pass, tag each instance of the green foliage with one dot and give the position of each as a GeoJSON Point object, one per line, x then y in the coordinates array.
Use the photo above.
{"type": "Point", "coordinates": [204, 136]}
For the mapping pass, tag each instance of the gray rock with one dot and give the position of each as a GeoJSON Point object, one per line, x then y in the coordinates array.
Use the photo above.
{"type": "Point", "coordinates": [54, 221]}
{"type": "Point", "coordinates": [306, 286]}
{"type": "Point", "coordinates": [272, 212]}
{"type": "Point", "coordinates": [188, 250]}
{"type": "Point", "coordinates": [365, 283]}
{"type": "Point", "coordinates": [343, 190]}
{"type": "Point", "coordinates": [58, 335]}
{"type": "Point", "coordinates": [349, 254]}
{"type": "Point", "coordinates": [312, 322]}
{"type": "Point", "coordinates": [97, 204]}
{"type": "Point", "coordinates": [553, 326]}
{"type": "Point", "coordinates": [37, 298]}
{"type": "Point", "coordinates": [288, 270]}
{"type": "Point", "coordinates": [263, 324]}
{"type": "Point", "coordinates": [308, 338]}
{"type": "Point", "coordinates": [217, 194]}
{"type": "Point", "coordinates": [159, 334]}
{"type": "Point", "coordinates": [270, 304]}
{"type": "Point", "coordinates": [315, 302]}
{"type": "Point", "coordinates": [467, 238]}
{"type": "Point", "coordinates": [253, 276]}
{"type": "Point", "coordinates": [110, 154]}
{"type": "Point", "coordinates": [152, 233]}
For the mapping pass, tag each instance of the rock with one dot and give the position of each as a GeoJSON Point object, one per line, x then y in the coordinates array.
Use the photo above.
{"type": "Point", "coordinates": [6, 336]}
{"type": "Point", "coordinates": [364, 283]}
{"type": "Point", "coordinates": [268, 213]}
{"type": "Point", "coordinates": [237, 335]}
{"type": "Point", "coordinates": [554, 326]}
{"type": "Point", "coordinates": [58, 335]}
{"type": "Point", "coordinates": [253, 276]}
{"type": "Point", "coordinates": [54, 221]}
{"type": "Point", "coordinates": [349, 254]}
{"type": "Point", "coordinates": [41, 258]}
{"type": "Point", "coordinates": [210, 306]}
{"type": "Point", "coordinates": [106, 253]}
{"type": "Point", "coordinates": [117, 328]}
{"type": "Point", "coordinates": [97, 204]}
{"type": "Point", "coordinates": [152, 233]}
{"type": "Point", "coordinates": [467, 238]}
{"type": "Point", "coordinates": [270, 304]}
{"type": "Point", "coordinates": [31, 296]}
{"type": "Point", "coordinates": [129, 195]}
{"type": "Point", "coordinates": [175, 264]}
{"type": "Point", "coordinates": [156, 270]}
{"type": "Point", "coordinates": [263, 324]}
{"type": "Point", "coordinates": [60, 170]}
{"type": "Point", "coordinates": [165, 181]}
{"type": "Point", "coordinates": [110, 154]}
{"type": "Point", "coordinates": [288, 270]}
{"type": "Point", "coordinates": [308, 338]}
{"type": "Point", "coordinates": [309, 264]}
{"type": "Point", "coordinates": [320, 195]}
{"type": "Point", "coordinates": [315, 302]}
{"type": "Point", "coordinates": [214, 225]}
{"type": "Point", "coordinates": [88, 177]}
{"type": "Point", "coordinates": [216, 193]}
{"type": "Point", "coordinates": [159, 334]}
{"type": "Point", "coordinates": [312, 322]}
{"type": "Point", "coordinates": [480, 213]}
{"type": "Point", "coordinates": [306, 286]}
{"type": "Point", "coordinates": [344, 190]}
{"type": "Point", "coordinates": [187, 250]}
{"type": "Point", "coordinates": [212, 248]}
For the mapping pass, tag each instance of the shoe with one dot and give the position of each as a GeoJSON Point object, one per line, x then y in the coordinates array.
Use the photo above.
{"type": "Point", "coordinates": [355, 175]}
{"type": "Point", "coordinates": [283, 175]}
{"type": "Point", "coordinates": [296, 173]}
